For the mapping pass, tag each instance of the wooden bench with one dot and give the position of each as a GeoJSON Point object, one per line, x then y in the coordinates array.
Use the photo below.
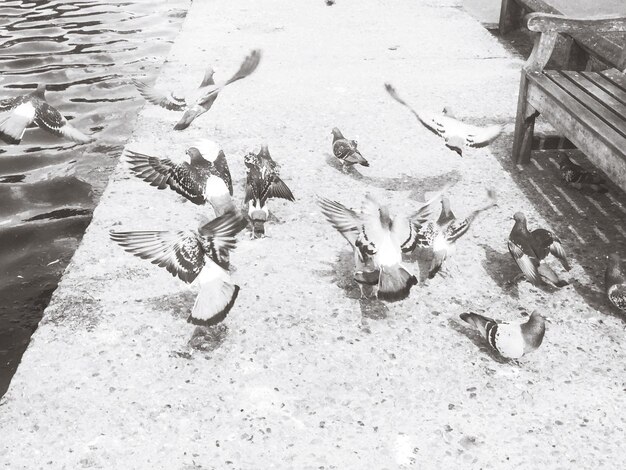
{"type": "Point", "coordinates": [574, 50]}
{"type": "Point", "coordinates": [588, 108]}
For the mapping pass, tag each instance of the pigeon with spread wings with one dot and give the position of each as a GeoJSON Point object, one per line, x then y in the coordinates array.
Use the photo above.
{"type": "Point", "coordinates": [193, 255]}
{"type": "Point", "coordinates": [206, 95]}
{"type": "Point", "coordinates": [33, 108]}
{"type": "Point", "coordinates": [510, 339]}
{"type": "Point", "coordinates": [204, 179]}
{"type": "Point", "coordinates": [456, 134]}
{"type": "Point", "coordinates": [376, 240]}
{"type": "Point", "coordinates": [529, 249]}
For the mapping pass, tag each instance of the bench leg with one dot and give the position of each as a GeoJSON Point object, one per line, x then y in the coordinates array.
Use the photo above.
{"type": "Point", "coordinates": [524, 125]}
{"type": "Point", "coordinates": [510, 16]}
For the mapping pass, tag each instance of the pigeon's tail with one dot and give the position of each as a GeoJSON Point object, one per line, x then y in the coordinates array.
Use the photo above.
{"type": "Point", "coordinates": [437, 262]}
{"type": "Point", "coordinates": [356, 157]}
{"type": "Point", "coordinates": [395, 282]}
{"type": "Point", "coordinates": [477, 321]}
{"type": "Point", "coordinates": [215, 299]}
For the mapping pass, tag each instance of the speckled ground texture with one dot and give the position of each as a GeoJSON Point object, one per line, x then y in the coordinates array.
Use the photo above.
{"type": "Point", "coordinates": [302, 374]}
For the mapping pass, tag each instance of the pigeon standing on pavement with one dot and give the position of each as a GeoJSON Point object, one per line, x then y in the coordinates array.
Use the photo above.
{"type": "Point", "coordinates": [33, 108]}
{"type": "Point", "coordinates": [206, 178]}
{"type": "Point", "coordinates": [375, 238]}
{"type": "Point", "coordinates": [346, 151]}
{"type": "Point", "coordinates": [193, 255]}
{"type": "Point", "coordinates": [577, 177]}
{"type": "Point", "coordinates": [206, 96]}
{"type": "Point", "coordinates": [615, 282]}
{"type": "Point", "coordinates": [528, 249]}
{"type": "Point", "coordinates": [262, 183]}
{"type": "Point", "coordinates": [511, 340]}
{"type": "Point", "coordinates": [456, 134]}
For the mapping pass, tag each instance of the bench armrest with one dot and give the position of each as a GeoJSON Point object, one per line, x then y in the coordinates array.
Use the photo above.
{"type": "Point", "coordinates": [545, 22]}
{"type": "Point", "coordinates": [550, 26]}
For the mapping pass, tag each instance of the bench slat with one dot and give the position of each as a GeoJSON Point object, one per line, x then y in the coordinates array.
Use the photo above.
{"type": "Point", "coordinates": [607, 86]}
{"type": "Point", "coordinates": [598, 128]}
{"type": "Point", "coordinates": [617, 77]}
{"type": "Point", "coordinates": [601, 95]}
{"type": "Point", "coordinates": [610, 116]}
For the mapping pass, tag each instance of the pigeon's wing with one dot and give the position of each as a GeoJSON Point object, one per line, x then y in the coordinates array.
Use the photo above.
{"type": "Point", "coordinates": [162, 172]}
{"type": "Point", "coordinates": [546, 242]}
{"type": "Point", "coordinates": [160, 98]}
{"type": "Point", "coordinates": [344, 220]}
{"type": "Point", "coordinates": [617, 295]}
{"type": "Point", "coordinates": [218, 235]}
{"type": "Point", "coordinates": [278, 189]}
{"type": "Point", "coordinates": [13, 126]}
{"type": "Point", "coordinates": [481, 136]}
{"type": "Point", "coordinates": [49, 119]}
{"type": "Point", "coordinates": [180, 252]}
{"type": "Point", "coordinates": [249, 65]}
{"type": "Point", "coordinates": [527, 264]}
{"type": "Point", "coordinates": [394, 94]}
{"type": "Point", "coordinates": [221, 165]}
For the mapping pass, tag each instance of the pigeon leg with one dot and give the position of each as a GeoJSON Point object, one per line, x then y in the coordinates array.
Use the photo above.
{"type": "Point", "coordinates": [518, 277]}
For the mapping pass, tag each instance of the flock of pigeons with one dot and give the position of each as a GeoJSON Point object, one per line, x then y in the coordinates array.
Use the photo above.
{"type": "Point", "coordinates": [378, 239]}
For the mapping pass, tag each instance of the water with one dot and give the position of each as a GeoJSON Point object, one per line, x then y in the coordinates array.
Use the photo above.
{"type": "Point", "coordinates": [86, 51]}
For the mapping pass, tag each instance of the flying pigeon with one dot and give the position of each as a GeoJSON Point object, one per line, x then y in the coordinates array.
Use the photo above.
{"type": "Point", "coordinates": [206, 178]}
{"type": "Point", "coordinates": [448, 229]}
{"type": "Point", "coordinates": [374, 237]}
{"type": "Point", "coordinates": [192, 256]}
{"type": "Point", "coordinates": [206, 96]}
{"type": "Point", "coordinates": [528, 249]}
{"type": "Point", "coordinates": [33, 108]}
{"type": "Point", "coordinates": [346, 150]}
{"type": "Point", "coordinates": [579, 178]}
{"type": "Point", "coordinates": [511, 340]}
{"type": "Point", "coordinates": [615, 282]}
{"type": "Point", "coordinates": [456, 134]}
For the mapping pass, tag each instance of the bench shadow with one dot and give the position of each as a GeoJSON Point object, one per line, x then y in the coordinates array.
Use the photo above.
{"type": "Point", "coordinates": [341, 273]}
{"type": "Point", "coordinates": [417, 186]}
{"type": "Point", "coordinates": [590, 224]}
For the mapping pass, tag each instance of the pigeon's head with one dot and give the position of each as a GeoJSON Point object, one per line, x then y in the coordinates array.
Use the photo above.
{"type": "Point", "coordinates": [250, 159]}
{"type": "Point", "coordinates": [195, 156]}
{"type": "Point", "coordinates": [336, 133]}
{"type": "Point", "coordinates": [614, 259]}
{"type": "Point", "coordinates": [41, 89]}
{"type": "Point", "coordinates": [534, 330]}
{"type": "Point", "coordinates": [519, 217]}
{"type": "Point", "coordinates": [445, 203]}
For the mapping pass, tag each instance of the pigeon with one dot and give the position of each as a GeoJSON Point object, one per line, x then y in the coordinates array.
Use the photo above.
{"type": "Point", "coordinates": [577, 177]}
{"type": "Point", "coordinates": [346, 151]}
{"type": "Point", "coordinates": [206, 96]}
{"type": "Point", "coordinates": [262, 183]}
{"type": "Point", "coordinates": [192, 256]}
{"type": "Point", "coordinates": [375, 239]}
{"type": "Point", "coordinates": [510, 339]}
{"type": "Point", "coordinates": [33, 108]}
{"type": "Point", "coordinates": [449, 229]}
{"type": "Point", "coordinates": [206, 178]}
{"type": "Point", "coordinates": [456, 134]}
{"type": "Point", "coordinates": [615, 282]}
{"type": "Point", "coordinates": [528, 249]}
